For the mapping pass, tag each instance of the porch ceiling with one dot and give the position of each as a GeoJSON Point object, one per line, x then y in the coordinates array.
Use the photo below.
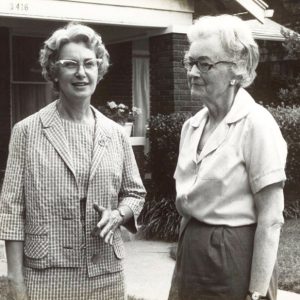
{"type": "Point", "coordinates": [42, 28]}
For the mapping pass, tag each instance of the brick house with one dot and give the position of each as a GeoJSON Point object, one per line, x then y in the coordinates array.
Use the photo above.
{"type": "Point", "coordinates": [146, 41]}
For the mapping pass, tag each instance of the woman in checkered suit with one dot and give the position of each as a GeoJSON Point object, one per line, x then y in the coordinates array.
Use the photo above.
{"type": "Point", "coordinates": [71, 181]}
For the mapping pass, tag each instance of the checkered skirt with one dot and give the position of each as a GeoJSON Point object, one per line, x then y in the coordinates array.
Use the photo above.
{"type": "Point", "coordinates": [73, 284]}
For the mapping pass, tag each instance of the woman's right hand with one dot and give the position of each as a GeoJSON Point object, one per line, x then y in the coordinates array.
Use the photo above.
{"type": "Point", "coordinates": [17, 290]}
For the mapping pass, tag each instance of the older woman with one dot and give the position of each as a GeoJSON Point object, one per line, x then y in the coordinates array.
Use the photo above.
{"type": "Point", "coordinates": [230, 172]}
{"type": "Point", "coordinates": [71, 181]}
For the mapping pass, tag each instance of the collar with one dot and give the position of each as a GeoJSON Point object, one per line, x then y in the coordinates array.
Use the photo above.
{"type": "Point", "coordinates": [241, 107]}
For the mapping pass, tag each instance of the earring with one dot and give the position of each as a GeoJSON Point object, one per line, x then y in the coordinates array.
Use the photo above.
{"type": "Point", "coordinates": [232, 82]}
{"type": "Point", "coordinates": [55, 79]}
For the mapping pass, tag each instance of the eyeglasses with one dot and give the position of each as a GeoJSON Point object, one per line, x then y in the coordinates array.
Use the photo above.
{"type": "Point", "coordinates": [203, 67]}
{"type": "Point", "coordinates": [74, 65]}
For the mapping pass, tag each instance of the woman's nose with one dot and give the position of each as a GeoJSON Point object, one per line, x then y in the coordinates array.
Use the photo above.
{"type": "Point", "coordinates": [194, 71]}
{"type": "Point", "coordinates": [80, 71]}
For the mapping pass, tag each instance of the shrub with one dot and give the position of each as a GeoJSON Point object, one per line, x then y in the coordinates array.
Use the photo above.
{"type": "Point", "coordinates": [159, 216]}
{"type": "Point", "coordinates": [164, 136]}
{"type": "Point", "coordinates": [288, 119]}
{"type": "Point", "coordinates": [290, 95]}
{"type": "Point", "coordinates": [161, 219]}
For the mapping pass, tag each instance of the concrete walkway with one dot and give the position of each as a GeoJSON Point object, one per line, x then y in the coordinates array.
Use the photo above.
{"type": "Point", "coordinates": [148, 269]}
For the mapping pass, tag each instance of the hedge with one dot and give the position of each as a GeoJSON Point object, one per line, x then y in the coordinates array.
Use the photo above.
{"type": "Point", "coordinates": [159, 216]}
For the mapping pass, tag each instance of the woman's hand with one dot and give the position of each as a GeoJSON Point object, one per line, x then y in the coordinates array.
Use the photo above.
{"type": "Point", "coordinates": [16, 290]}
{"type": "Point", "coordinates": [110, 220]}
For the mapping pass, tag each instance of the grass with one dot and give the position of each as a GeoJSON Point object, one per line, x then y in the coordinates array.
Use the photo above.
{"type": "Point", "coordinates": [3, 288]}
{"type": "Point", "coordinates": [289, 256]}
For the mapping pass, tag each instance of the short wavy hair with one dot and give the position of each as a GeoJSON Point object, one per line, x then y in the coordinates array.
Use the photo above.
{"type": "Point", "coordinates": [237, 41]}
{"type": "Point", "coordinates": [72, 32]}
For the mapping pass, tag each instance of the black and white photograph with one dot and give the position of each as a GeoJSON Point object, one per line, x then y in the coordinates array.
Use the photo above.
{"type": "Point", "coordinates": [150, 150]}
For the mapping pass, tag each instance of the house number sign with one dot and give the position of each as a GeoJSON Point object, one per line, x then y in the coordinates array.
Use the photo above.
{"type": "Point", "coordinates": [19, 6]}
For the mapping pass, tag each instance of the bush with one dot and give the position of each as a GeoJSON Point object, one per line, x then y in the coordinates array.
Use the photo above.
{"type": "Point", "coordinates": [291, 94]}
{"type": "Point", "coordinates": [288, 119]}
{"type": "Point", "coordinates": [164, 136]}
{"type": "Point", "coordinates": [161, 219]}
{"type": "Point", "coordinates": [159, 216]}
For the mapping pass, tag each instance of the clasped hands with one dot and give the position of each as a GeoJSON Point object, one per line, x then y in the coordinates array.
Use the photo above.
{"type": "Point", "coordinates": [110, 220]}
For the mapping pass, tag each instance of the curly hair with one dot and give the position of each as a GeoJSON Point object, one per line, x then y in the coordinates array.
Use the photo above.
{"type": "Point", "coordinates": [72, 32]}
{"type": "Point", "coordinates": [236, 39]}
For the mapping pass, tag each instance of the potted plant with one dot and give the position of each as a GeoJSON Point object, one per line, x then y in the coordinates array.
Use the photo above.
{"type": "Point", "coordinates": [121, 114]}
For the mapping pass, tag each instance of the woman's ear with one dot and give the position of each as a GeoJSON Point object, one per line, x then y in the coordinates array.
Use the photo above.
{"type": "Point", "coordinates": [232, 82]}
{"type": "Point", "coordinates": [235, 81]}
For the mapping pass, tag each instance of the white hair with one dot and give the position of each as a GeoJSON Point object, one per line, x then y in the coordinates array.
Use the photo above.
{"type": "Point", "coordinates": [236, 39]}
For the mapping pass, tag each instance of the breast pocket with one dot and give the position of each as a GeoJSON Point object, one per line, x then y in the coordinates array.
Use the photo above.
{"type": "Point", "coordinates": [36, 241]}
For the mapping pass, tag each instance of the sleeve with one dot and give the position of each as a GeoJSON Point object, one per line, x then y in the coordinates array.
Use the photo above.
{"type": "Point", "coordinates": [12, 204]}
{"type": "Point", "coordinates": [132, 193]}
{"type": "Point", "coordinates": [265, 152]}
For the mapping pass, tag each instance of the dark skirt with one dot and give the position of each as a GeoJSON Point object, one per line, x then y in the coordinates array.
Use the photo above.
{"type": "Point", "coordinates": [214, 263]}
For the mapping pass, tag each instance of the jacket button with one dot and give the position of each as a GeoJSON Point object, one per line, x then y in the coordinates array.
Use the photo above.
{"type": "Point", "coordinates": [96, 258]}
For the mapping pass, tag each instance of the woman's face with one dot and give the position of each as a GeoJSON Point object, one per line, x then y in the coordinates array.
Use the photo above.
{"type": "Point", "coordinates": [77, 82]}
{"type": "Point", "coordinates": [215, 83]}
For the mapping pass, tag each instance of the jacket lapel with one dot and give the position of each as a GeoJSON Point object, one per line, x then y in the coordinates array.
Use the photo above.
{"type": "Point", "coordinates": [54, 132]}
{"type": "Point", "coordinates": [102, 138]}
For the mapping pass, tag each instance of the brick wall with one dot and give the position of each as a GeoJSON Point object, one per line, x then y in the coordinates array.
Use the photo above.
{"type": "Point", "coordinates": [4, 97]}
{"type": "Point", "coordinates": [117, 83]}
{"type": "Point", "coordinates": [169, 90]}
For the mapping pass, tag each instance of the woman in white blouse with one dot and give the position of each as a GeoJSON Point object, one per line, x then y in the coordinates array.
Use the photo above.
{"type": "Point", "coordinates": [230, 172]}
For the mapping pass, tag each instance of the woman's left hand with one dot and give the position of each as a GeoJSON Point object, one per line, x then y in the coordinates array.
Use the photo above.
{"type": "Point", "coordinates": [110, 220]}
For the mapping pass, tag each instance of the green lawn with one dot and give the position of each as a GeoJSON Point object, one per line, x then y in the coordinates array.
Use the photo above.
{"type": "Point", "coordinates": [289, 256]}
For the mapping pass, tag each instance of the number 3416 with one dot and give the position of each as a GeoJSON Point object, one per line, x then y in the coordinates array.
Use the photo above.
{"type": "Point", "coordinates": [19, 6]}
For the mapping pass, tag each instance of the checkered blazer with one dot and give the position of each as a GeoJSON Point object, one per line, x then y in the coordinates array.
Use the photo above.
{"type": "Point", "coordinates": [40, 199]}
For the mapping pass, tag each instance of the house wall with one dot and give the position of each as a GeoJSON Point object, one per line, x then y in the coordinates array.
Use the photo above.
{"type": "Point", "coordinates": [169, 89]}
{"type": "Point", "coordinates": [117, 83]}
{"type": "Point", "coordinates": [5, 107]}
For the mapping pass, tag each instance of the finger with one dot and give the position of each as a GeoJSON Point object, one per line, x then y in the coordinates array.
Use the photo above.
{"type": "Point", "coordinates": [108, 236]}
{"type": "Point", "coordinates": [98, 208]}
{"type": "Point", "coordinates": [111, 239]}
{"type": "Point", "coordinates": [105, 220]}
{"type": "Point", "coordinates": [106, 229]}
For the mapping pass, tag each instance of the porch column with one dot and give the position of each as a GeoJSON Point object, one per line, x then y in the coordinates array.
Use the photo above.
{"type": "Point", "coordinates": [169, 91]}
{"type": "Point", "coordinates": [5, 107]}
